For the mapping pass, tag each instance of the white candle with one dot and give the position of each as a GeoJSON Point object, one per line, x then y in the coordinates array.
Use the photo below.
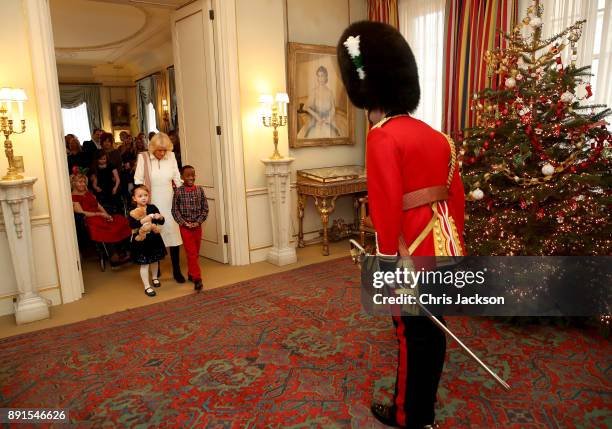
{"type": "Point", "coordinates": [20, 106]}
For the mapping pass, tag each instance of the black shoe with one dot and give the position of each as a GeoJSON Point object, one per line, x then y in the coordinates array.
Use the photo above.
{"type": "Point", "coordinates": [149, 291]}
{"type": "Point", "coordinates": [178, 277]}
{"type": "Point", "coordinates": [385, 414]}
{"type": "Point", "coordinates": [156, 283]}
{"type": "Point", "coordinates": [198, 285]}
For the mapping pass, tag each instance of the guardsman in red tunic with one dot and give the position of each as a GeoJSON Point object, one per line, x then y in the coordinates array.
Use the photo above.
{"type": "Point", "coordinates": [415, 194]}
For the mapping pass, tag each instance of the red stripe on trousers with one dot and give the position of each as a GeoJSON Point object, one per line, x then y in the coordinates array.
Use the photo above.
{"type": "Point", "coordinates": [402, 372]}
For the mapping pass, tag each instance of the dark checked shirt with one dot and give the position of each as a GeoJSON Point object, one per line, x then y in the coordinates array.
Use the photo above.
{"type": "Point", "coordinates": [189, 205]}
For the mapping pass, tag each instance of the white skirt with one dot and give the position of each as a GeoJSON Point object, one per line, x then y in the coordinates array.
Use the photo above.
{"type": "Point", "coordinates": [170, 231]}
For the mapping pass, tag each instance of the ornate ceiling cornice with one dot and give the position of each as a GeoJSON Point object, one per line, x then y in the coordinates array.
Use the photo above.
{"type": "Point", "coordinates": [109, 45]}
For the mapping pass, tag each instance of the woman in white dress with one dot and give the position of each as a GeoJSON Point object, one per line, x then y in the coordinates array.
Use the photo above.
{"type": "Point", "coordinates": [157, 169]}
{"type": "Point", "coordinates": [322, 110]}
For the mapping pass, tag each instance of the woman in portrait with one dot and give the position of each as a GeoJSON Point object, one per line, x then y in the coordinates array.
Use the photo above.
{"type": "Point", "coordinates": [321, 107]}
{"type": "Point", "coordinates": [158, 170]}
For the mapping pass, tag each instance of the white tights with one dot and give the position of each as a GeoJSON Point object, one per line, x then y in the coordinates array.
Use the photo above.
{"type": "Point", "coordinates": [144, 273]}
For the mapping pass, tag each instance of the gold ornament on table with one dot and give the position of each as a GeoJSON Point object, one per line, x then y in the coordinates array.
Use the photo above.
{"type": "Point", "coordinates": [273, 114]}
{"type": "Point", "coordinates": [8, 96]}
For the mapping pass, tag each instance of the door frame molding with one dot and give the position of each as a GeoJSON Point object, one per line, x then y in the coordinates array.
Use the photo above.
{"type": "Point", "coordinates": [230, 119]}
{"type": "Point", "coordinates": [46, 84]}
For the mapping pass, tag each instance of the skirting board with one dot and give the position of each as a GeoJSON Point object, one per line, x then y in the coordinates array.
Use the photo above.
{"type": "Point", "coordinates": [260, 255]}
{"type": "Point", "coordinates": [7, 305]}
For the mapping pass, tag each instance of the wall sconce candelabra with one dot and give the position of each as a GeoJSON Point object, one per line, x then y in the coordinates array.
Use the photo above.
{"type": "Point", "coordinates": [165, 109]}
{"type": "Point", "coordinates": [274, 114]}
{"type": "Point", "coordinates": [8, 96]}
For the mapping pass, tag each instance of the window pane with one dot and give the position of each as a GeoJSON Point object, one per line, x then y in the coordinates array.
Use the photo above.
{"type": "Point", "coordinates": [151, 124]}
{"type": "Point", "coordinates": [598, 28]}
{"type": "Point", "coordinates": [601, 4]}
{"type": "Point", "coordinates": [76, 122]}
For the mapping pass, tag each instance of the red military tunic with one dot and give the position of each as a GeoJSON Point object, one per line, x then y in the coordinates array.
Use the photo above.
{"type": "Point", "coordinates": [405, 155]}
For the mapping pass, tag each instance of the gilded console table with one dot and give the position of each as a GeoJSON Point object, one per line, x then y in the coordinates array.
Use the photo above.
{"type": "Point", "coordinates": [325, 185]}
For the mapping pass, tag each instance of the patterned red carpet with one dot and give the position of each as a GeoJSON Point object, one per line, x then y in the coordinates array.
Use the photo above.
{"type": "Point", "coordinates": [292, 350]}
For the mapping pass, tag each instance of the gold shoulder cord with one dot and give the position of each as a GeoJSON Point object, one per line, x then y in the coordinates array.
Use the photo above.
{"type": "Point", "coordinates": [435, 224]}
{"type": "Point", "coordinates": [453, 160]}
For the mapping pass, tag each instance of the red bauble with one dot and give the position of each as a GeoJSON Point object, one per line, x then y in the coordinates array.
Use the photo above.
{"type": "Point", "coordinates": [572, 169]}
{"type": "Point", "coordinates": [584, 165]}
{"type": "Point", "coordinates": [523, 203]}
{"type": "Point", "coordinates": [486, 144]}
{"type": "Point", "coordinates": [505, 112]}
{"type": "Point", "coordinates": [492, 135]}
{"type": "Point", "coordinates": [589, 92]}
{"type": "Point", "coordinates": [498, 123]}
{"type": "Point", "coordinates": [540, 214]}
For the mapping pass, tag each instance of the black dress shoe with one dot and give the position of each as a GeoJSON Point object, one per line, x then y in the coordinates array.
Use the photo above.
{"type": "Point", "coordinates": [150, 292]}
{"type": "Point", "coordinates": [385, 414]}
{"type": "Point", "coordinates": [197, 285]}
{"type": "Point", "coordinates": [178, 277]}
{"type": "Point", "coordinates": [156, 283]}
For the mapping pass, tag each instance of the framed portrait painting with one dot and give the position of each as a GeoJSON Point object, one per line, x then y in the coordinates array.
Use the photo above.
{"type": "Point", "coordinates": [120, 114]}
{"type": "Point", "coordinates": [320, 112]}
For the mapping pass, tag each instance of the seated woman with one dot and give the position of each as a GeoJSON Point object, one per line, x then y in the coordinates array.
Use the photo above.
{"type": "Point", "coordinates": [102, 227]}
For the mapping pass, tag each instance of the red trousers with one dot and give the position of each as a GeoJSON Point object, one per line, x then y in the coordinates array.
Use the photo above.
{"type": "Point", "coordinates": [191, 241]}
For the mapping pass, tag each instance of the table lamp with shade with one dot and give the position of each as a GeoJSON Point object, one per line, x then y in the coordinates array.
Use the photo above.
{"type": "Point", "coordinates": [273, 113]}
{"type": "Point", "coordinates": [8, 116]}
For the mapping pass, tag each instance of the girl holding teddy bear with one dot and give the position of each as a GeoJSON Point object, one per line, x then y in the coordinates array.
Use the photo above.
{"type": "Point", "coordinates": [147, 245]}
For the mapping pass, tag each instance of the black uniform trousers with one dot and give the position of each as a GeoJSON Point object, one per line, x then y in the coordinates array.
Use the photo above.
{"type": "Point", "coordinates": [422, 348]}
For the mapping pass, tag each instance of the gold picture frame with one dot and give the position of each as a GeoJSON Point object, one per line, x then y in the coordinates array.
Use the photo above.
{"type": "Point", "coordinates": [320, 112]}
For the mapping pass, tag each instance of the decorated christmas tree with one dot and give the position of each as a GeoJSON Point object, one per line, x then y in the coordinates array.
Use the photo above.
{"type": "Point", "coordinates": [536, 166]}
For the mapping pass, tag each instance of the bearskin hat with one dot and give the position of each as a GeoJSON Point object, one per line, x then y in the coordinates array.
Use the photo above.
{"type": "Point", "coordinates": [378, 68]}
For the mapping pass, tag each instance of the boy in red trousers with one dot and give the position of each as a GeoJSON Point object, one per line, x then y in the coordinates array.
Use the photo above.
{"type": "Point", "coordinates": [190, 209]}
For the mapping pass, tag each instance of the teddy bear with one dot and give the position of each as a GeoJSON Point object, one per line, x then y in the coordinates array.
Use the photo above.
{"type": "Point", "coordinates": [139, 213]}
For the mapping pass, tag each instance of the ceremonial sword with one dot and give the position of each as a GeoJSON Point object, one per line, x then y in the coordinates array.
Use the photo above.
{"type": "Point", "coordinates": [356, 256]}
